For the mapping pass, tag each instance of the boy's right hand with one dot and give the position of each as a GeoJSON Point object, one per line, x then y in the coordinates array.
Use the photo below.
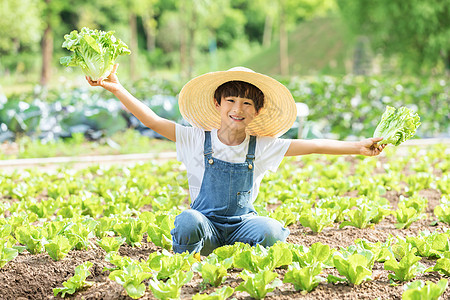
{"type": "Point", "coordinates": [111, 83]}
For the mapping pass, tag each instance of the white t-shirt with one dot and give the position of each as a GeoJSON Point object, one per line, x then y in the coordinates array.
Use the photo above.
{"type": "Point", "coordinates": [269, 153]}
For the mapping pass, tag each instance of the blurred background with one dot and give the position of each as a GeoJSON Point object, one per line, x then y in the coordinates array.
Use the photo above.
{"type": "Point", "coordinates": [344, 59]}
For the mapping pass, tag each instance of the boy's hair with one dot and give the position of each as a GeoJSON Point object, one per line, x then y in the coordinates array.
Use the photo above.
{"type": "Point", "coordinates": [240, 89]}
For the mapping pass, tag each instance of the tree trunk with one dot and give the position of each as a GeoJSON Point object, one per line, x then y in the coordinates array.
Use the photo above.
{"type": "Point", "coordinates": [191, 48]}
{"type": "Point", "coordinates": [47, 50]}
{"type": "Point", "coordinates": [183, 39]}
{"type": "Point", "coordinates": [133, 46]}
{"type": "Point", "coordinates": [284, 58]}
{"type": "Point", "coordinates": [47, 55]}
{"type": "Point", "coordinates": [148, 19]}
{"type": "Point", "coordinates": [268, 27]}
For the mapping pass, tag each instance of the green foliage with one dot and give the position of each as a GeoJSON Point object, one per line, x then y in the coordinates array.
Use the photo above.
{"type": "Point", "coordinates": [431, 245]}
{"type": "Point", "coordinates": [394, 27]}
{"type": "Point", "coordinates": [212, 271]}
{"type": "Point", "coordinates": [304, 278]}
{"type": "Point", "coordinates": [406, 269]}
{"type": "Point", "coordinates": [317, 219]}
{"type": "Point", "coordinates": [76, 282]}
{"type": "Point", "coordinates": [219, 294]}
{"type": "Point", "coordinates": [58, 247]}
{"type": "Point", "coordinates": [259, 258]}
{"type": "Point", "coordinates": [94, 51]}
{"type": "Point", "coordinates": [318, 253]}
{"type": "Point", "coordinates": [359, 217]}
{"type": "Point", "coordinates": [31, 237]}
{"type": "Point", "coordinates": [166, 264]}
{"type": "Point", "coordinates": [6, 253]}
{"type": "Point", "coordinates": [171, 288]}
{"type": "Point", "coordinates": [419, 290]}
{"type": "Point", "coordinates": [111, 244]}
{"type": "Point", "coordinates": [258, 284]}
{"type": "Point", "coordinates": [406, 216]}
{"type": "Point", "coordinates": [442, 264]}
{"type": "Point", "coordinates": [159, 232]}
{"type": "Point", "coordinates": [397, 125]}
{"type": "Point", "coordinates": [355, 267]}
{"type": "Point", "coordinates": [132, 229]}
{"type": "Point", "coordinates": [131, 277]}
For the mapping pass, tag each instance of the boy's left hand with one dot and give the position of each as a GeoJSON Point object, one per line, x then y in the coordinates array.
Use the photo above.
{"type": "Point", "coordinates": [370, 147]}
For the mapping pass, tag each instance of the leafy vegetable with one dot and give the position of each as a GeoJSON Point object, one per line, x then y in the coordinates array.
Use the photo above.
{"type": "Point", "coordinates": [306, 278]}
{"type": "Point", "coordinates": [111, 244]}
{"type": "Point", "coordinates": [131, 277]}
{"type": "Point", "coordinates": [406, 269]}
{"type": "Point", "coordinates": [418, 290]}
{"type": "Point", "coordinates": [317, 219]}
{"type": "Point", "coordinates": [172, 287]}
{"type": "Point", "coordinates": [259, 284]}
{"type": "Point", "coordinates": [397, 125]}
{"type": "Point", "coordinates": [95, 51]}
{"type": "Point", "coordinates": [58, 248]}
{"type": "Point", "coordinates": [356, 267]}
{"type": "Point", "coordinates": [6, 254]}
{"type": "Point", "coordinates": [76, 282]}
{"type": "Point", "coordinates": [219, 294]}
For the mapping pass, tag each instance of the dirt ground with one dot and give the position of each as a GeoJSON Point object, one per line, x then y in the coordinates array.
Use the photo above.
{"type": "Point", "coordinates": [34, 276]}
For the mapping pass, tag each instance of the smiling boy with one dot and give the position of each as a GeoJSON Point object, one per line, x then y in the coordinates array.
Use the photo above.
{"type": "Point", "coordinates": [236, 117]}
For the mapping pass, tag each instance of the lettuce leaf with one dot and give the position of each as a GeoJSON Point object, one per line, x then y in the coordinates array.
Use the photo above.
{"type": "Point", "coordinates": [95, 51]}
{"type": "Point", "coordinates": [397, 125]}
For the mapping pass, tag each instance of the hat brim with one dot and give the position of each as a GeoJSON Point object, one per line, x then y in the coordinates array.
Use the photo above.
{"type": "Point", "coordinates": [196, 102]}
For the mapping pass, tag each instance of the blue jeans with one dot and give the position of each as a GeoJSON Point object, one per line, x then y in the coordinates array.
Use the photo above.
{"type": "Point", "coordinates": [194, 232]}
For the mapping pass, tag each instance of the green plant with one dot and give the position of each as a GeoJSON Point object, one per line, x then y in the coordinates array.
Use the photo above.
{"type": "Point", "coordinates": [6, 253]}
{"type": "Point", "coordinates": [159, 231]}
{"type": "Point", "coordinates": [131, 277]}
{"type": "Point", "coordinates": [419, 290]}
{"type": "Point", "coordinates": [317, 219]}
{"type": "Point", "coordinates": [359, 217]}
{"type": "Point", "coordinates": [94, 51]}
{"type": "Point", "coordinates": [76, 282]}
{"type": "Point", "coordinates": [408, 267]}
{"type": "Point", "coordinates": [58, 248]}
{"type": "Point", "coordinates": [111, 244]}
{"type": "Point", "coordinates": [171, 288]}
{"type": "Point", "coordinates": [259, 258]}
{"type": "Point", "coordinates": [355, 267]}
{"type": "Point", "coordinates": [259, 284]}
{"type": "Point", "coordinates": [132, 229]}
{"type": "Point", "coordinates": [304, 278]}
{"type": "Point", "coordinates": [31, 237]}
{"type": "Point", "coordinates": [219, 294]}
{"type": "Point", "coordinates": [406, 216]}
{"type": "Point", "coordinates": [397, 125]}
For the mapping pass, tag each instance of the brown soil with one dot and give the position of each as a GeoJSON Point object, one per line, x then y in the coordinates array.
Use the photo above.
{"type": "Point", "coordinates": [34, 276]}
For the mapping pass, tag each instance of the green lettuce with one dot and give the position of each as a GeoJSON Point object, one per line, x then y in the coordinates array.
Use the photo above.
{"type": "Point", "coordinates": [397, 125]}
{"type": "Point", "coordinates": [95, 51]}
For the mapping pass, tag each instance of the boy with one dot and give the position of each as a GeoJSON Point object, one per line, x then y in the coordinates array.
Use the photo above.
{"type": "Point", "coordinates": [237, 116]}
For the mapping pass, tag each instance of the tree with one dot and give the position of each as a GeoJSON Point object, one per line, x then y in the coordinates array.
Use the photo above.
{"type": "Point", "coordinates": [416, 31]}
{"type": "Point", "coordinates": [20, 25]}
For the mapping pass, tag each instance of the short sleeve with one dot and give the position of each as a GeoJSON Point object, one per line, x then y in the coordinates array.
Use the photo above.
{"type": "Point", "coordinates": [271, 151]}
{"type": "Point", "coordinates": [189, 139]}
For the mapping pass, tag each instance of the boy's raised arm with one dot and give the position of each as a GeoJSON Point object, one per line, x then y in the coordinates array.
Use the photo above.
{"type": "Point", "coordinates": [368, 147]}
{"type": "Point", "coordinates": [141, 111]}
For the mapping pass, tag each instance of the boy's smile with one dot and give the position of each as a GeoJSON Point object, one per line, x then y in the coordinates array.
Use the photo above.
{"type": "Point", "coordinates": [235, 114]}
{"type": "Point", "coordinates": [236, 111]}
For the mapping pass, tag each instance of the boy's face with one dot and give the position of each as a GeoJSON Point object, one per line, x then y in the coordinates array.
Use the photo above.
{"type": "Point", "coordinates": [236, 112]}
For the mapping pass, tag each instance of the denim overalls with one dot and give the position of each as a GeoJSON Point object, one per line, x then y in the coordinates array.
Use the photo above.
{"type": "Point", "coordinates": [223, 213]}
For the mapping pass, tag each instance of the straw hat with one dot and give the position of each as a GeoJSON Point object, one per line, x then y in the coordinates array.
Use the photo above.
{"type": "Point", "coordinates": [196, 102]}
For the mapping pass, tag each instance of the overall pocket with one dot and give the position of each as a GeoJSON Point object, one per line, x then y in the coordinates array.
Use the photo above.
{"type": "Point", "coordinates": [243, 198]}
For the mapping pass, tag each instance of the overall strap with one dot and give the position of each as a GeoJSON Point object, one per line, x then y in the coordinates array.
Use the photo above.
{"type": "Point", "coordinates": [207, 151]}
{"type": "Point", "coordinates": [251, 151]}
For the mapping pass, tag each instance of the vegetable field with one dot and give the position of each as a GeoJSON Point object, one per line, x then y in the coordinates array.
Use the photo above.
{"type": "Point", "coordinates": [361, 228]}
